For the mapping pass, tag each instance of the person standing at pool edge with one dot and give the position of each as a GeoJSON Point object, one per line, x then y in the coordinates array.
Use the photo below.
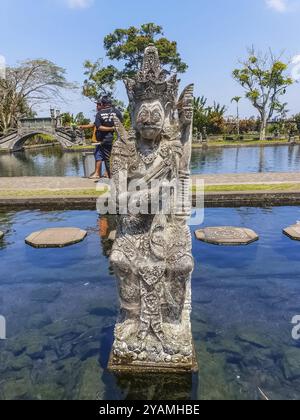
{"type": "Point", "coordinates": [105, 133]}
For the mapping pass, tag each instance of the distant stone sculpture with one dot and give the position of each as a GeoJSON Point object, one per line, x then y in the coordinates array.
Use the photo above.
{"type": "Point", "coordinates": [198, 137]}
{"type": "Point", "coordinates": [276, 133]}
{"type": "Point", "coordinates": [152, 256]}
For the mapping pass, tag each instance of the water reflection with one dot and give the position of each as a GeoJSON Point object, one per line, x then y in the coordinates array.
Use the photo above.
{"type": "Point", "coordinates": [246, 160]}
{"type": "Point", "coordinates": [50, 161]}
{"type": "Point", "coordinates": [158, 387]}
{"type": "Point", "coordinates": [53, 162]}
{"type": "Point", "coordinates": [61, 315]}
{"type": "Point", "coordinates": [107, 230]}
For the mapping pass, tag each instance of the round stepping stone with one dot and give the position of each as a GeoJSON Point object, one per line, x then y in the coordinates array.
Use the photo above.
{"type": "Point", "coordinates": [226, 235]}
{"type": "Point", "coordinates": [55, 237]}
{"type": "Point", "coordinates": [293, 232]}
{"type": "Point", "coordinates": [1, 235]}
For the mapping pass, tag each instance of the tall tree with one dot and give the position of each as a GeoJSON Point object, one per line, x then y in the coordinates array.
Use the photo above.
{"type": "Point", "coordinates": [27, 85]}
{"type": "Point", "coordinates": [265, 81]}
{"type": "Point", "coordinates": [127, 46]}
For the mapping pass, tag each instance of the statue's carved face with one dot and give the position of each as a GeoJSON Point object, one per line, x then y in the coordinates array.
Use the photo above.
{"type": "Point", "coordinates": [150, 118]}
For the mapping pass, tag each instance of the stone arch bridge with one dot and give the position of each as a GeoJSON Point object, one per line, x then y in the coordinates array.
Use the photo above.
{"type": "Point", "coordinates": [66, 136]}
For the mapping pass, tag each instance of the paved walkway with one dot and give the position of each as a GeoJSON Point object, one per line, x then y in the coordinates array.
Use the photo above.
{"type": "Point", "coordinates": [46, 183]}
{"type": "Point", "coordinates": [74, 183]}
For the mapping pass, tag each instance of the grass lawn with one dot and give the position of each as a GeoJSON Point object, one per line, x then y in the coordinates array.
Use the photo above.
{"type": "Point", "coordinates": [215, 143]}
{"type": "Point", "coordinates": [49, 193]}
{"type": "Point", "coordinates": [241, 143]}
{"type": "Point", "coordinates": [81, 148]}
{"type": "Point", "coordinates": [252, 187]}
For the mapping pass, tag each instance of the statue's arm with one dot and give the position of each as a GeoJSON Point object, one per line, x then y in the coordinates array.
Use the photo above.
{"type": "Point", "coordinates": [119, 167]}
{"type": "Point", "coordinates": [186, 114]}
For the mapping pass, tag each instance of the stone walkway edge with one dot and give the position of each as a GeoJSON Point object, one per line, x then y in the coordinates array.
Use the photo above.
{"type": "Point", "coordinates": [217, 199]}
{"type": "Point", "coordinates": [77, 183]}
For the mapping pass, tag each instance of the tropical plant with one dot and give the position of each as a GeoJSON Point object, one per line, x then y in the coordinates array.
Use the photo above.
{"type": "Point", "coordinates": [209, 118]}
{"type": "Point", "coordinates": [237, 99]}
{"type": "Point", "coordinates": [265, 81]}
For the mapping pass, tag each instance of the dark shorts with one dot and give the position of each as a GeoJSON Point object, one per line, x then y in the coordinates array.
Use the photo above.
{"type": "Point", "coordinates": [103, 152]}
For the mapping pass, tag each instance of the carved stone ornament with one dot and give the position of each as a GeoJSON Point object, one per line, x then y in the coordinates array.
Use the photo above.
{"type": "Point", "coordinates": [152, 253]}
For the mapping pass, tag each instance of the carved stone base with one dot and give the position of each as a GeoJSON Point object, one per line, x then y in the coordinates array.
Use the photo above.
{"type": "Point", "coordinates": [118, 366]}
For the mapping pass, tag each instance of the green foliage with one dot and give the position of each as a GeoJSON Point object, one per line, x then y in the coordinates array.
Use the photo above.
{"type": "Point", "coordinates": [209, 117]}
{"type": "Point", "coordinates": [126, 46]}
{"type": "Point", "coordinates": [127, 119]}
{"type": "Point", "coordinates": [297, 120]}
{"type": "Point", "coordinates": [39, 139]}
{"type": "Point", "coordinates": [236, 99]}
{"type": "Point", "coordinates": [249, 125]}
{"type": "Point", "coordinates": [265, 82]}
{"type": "Point", "coordinates": [71, 120]}
{"type": "Point", "coordinates": [100, 80]}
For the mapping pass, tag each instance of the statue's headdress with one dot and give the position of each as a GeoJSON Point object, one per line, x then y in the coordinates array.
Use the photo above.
{"type": "Point", "coordinates": [151, 82]}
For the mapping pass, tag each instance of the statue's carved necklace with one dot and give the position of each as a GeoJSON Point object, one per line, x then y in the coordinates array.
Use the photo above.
{"type": "Point", "coordinates": [148, 156]}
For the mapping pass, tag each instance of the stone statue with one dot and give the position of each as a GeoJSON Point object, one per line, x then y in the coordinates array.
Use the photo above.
{"type": "Point", "coordinates": [151, 255]}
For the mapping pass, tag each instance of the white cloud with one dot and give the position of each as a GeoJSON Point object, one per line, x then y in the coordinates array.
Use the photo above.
{"type": "Point", "coordinates": [79, 4]}
{"type": "Point", "coordinates": [280, 6]}
{"type": "Point", "coordinates": [296, 67]}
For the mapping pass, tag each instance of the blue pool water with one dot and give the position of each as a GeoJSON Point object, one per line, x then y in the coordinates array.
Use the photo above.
{"type": "Point", "coordinates": [246, 160]}
{"type": "Point", "coordinates": [61, 305]}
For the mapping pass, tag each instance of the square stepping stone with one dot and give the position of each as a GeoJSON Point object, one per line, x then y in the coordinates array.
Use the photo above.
{"type": "Point", "coordinates": [293, 232]}
{"type": "Point", "coordinates": [226, 235]}
{"type": "Point", "coordinates": [56, 237]}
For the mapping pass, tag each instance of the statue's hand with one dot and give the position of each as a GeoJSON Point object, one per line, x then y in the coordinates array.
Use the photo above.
{"type": "Point", "coordinates": [120, 130]}
{"type": "Point", "coordinates": [185, 106]}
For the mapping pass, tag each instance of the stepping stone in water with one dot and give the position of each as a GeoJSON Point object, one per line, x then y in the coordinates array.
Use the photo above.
{"type": "Point", "coordinates": [1, 235]}
{"type": "Point", "coordinates": [56, 237]}
{"type": "Point", "coordinates": [293, 232]}
{"type": "Point", "coordinates": [226, 235]}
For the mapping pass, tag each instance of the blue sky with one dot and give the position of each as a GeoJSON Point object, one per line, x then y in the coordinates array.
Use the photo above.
{"type": "Point", "coordinates": [212, 36]}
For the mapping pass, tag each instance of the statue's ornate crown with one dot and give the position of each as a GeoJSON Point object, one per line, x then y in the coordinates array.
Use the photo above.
{"type": "Point", "coordinates": [151, 82]}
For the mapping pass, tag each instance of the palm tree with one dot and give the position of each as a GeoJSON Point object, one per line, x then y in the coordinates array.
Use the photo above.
{"type": "Point", "coordinates": [237, 100]}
